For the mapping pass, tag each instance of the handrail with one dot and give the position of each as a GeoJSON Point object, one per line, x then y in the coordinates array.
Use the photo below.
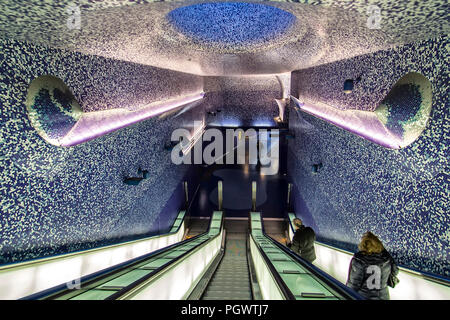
{"type": "Point", "coordinates": [128, 289]}
{"type": "Point", "coordinates": [281, 284]}
{"type": "Point", "coordinates": [329, 281]}
{"type": "Point", "coordinates": [251, 271]}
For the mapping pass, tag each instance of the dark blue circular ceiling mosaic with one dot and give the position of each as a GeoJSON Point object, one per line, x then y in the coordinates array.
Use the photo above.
{"type": "Point", "coordinates": [231, 23]}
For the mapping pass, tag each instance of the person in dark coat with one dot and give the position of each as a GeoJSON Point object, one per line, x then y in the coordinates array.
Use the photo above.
{"type": "Point", "coordinates": [372, 269]}
{"type": "Point", "coordinates": [303, 241]}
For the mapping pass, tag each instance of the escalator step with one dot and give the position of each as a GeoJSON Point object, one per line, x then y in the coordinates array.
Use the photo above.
{"type": "Point", "coordinates": [243, 288]}
{"type": "Point", "coordinates": [229, 286]}
{"type": "Point", "coordinates": [226, 298]}
{"type": "Point", "coordinates": [230, 277]}
{"type": "Point", "coordinates": [228, 295]}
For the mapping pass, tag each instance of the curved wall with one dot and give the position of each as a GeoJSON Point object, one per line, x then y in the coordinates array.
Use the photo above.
{"type": "Point", "coordinates": [57, 200]}
{"type": "Point", "coordinates": [401, 195]}
{"type": "Point", "coordinates": [242, 101]}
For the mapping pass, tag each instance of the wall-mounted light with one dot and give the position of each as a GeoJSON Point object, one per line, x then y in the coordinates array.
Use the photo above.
{"type": "Point", "coordinates": [214, 113]}
{"type": "Point", "coordinates": [349, 84]}
{"type": "Point", "coordinates": [171, 144]}
{"type": "Point", "coordinates": [278, 120]}
{"type": "Point", "coordinates": [134, 181]}
{"type": "Point", "coordinates": [290, 136]}
{"type": "Point", "coordinates": [316, 167]}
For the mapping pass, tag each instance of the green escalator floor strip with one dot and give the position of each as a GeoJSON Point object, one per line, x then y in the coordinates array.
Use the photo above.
{"type": "Point", "coordinates": [115, 288]}
{"type": "Point", "coordinates": [280, 260]}
{"type": "Point", "coordinates": [93, 295]}
{"type": "Point", "coordinates": [300, 297]}
{"type": "Point", "coordinates": [287, 265]}
{"type": "Point", "coordinates": [215, 224]}
{"type": "Point", "coordinates": [148, 268]}
{"type": "Point", "coordinates": [277, 256]}
{"type": "Point", "coordinates": [174, 254]}
{"type": "Point", "coordinates": [178, 221]}
{"type": "Point", "coordinates": [291, 271]}
{"type": "Point", "coordinates": [312, 295]}
{"type": "Point", "coordinates": [127, 279]}
{"type": "Point", "coordinates": [157, 263]}
{"type": "Point", "coordinates": [304, 283]}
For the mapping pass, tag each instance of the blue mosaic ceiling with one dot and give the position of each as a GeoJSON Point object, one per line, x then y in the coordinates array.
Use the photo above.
{"type": "Point", "coordinates": [231, 24]}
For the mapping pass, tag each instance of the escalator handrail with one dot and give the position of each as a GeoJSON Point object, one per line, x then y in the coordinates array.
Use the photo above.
{"type": "Point", "coordinates": [61, 289]}
{"type": "Point", "coordinates": [330, 281]}
{"type": "Point", "coordinates": [280, 282]}
{"type": "Point", "coordinates": [143, 279]}
{"type": "Point", "coordinates": [337, 285]}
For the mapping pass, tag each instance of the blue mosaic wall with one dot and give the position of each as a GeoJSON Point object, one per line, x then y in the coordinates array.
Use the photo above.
{"type": "Point", "coordinates": [400, 195]}
{"type": "Point", "coordinates": [242, 101]}
{"type": "Point", "coordinates": [54, 199]}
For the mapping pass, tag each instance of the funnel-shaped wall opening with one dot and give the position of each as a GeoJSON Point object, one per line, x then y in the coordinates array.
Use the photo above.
{"type": "Point", "coordinates": [52, 108]}
{"type": "Point", "coordinates": [406, 109]}
{"type": "Point", "coordinates": [59, 120]}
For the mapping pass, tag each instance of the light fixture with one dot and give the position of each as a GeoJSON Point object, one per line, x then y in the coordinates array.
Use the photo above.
{"type": "Point", "coordinates": [349, 84]}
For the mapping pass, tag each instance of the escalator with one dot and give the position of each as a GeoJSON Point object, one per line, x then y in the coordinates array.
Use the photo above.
{"type": "Point", "coordinates": [282, 274]}
{"type": "Point", "coordinates": [131, 280]}
{"type": "Point", "coordinates": [234, 259]}
{"type": "Point", "coordinates": [253, 266]}
{"type": "Point", "coordinates": [231, 279]}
